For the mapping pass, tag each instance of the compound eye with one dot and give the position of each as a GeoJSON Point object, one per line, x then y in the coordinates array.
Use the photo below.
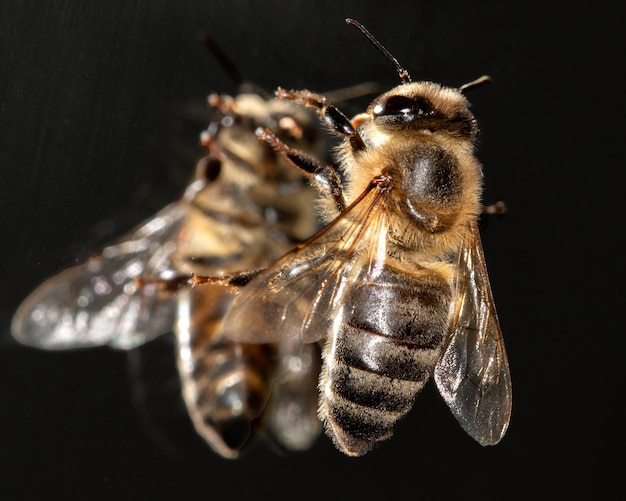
{"type": "Point", "coordinates": [404, 109]}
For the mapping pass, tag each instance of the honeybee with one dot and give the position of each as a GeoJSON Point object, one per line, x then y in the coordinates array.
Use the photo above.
{"type": "Point", "coordinates": [395, 285]}
{"type": "Point", "coordinates": [245, 207]}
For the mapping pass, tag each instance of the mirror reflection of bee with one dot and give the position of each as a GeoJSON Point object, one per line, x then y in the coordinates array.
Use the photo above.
{"type": "Point", "coordinates": [245, 207]}
{"type": "Point", "coordinates": [395, 286]}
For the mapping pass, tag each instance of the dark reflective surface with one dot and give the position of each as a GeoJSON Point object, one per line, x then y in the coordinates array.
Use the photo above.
{"type": "Point", "coordinates": [100, 110]}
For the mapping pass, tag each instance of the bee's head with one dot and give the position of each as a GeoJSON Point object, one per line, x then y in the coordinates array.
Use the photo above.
{"type": "Point", "coordinates": [426, 107]}
{"type": "Point", "coordinates": [421, 106]}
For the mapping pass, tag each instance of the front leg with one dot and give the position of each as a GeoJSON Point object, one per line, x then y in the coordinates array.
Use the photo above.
{"type": "Point", "coordinates": [331, 116]}
{"type": "Point", "coordinates": [325, 177]}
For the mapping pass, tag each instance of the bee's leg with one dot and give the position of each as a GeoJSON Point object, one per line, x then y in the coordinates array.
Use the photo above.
{"type": "Point", "coordinates": [325, 176]}
{"type": "Point", "coordinates": [331, 116]}
{"type": "Point", "coordinates": [496, 208]}
{"type": "Point", "coordinates": [236, 280]}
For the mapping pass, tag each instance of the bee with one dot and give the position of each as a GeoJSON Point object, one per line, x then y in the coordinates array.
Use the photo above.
{"type": "Point", "coordinates": [395, 286]}
{"type": "Point", "coordinates": [245, 207]}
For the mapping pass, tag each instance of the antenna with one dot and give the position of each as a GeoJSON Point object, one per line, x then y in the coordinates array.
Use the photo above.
{"type": "Point", "coordinates": [404, 74]}
{"type": "Point", "coordinates": [219, 54]}
{"type": "Point", "coordinates": [243, 84]}
{"type": "Point", "coordinates": [475, 83]}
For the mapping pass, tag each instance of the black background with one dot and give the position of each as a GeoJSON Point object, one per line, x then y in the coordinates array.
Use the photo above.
{"type": "Point", "coordinates": [97, 132]}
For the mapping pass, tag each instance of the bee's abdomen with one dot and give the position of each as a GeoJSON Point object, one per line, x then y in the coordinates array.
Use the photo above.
{"type": "Point", "coordinates": [381, 356]}
{"type": "Point", "coordinates": [225, 384]}
{"type": "Point", "coordinates": [232, 388]}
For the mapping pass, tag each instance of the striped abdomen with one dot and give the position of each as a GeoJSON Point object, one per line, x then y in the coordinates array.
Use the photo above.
{"type": "Point", "coordinates": [381, 356]}
{"type": "Point", "coordinates": [226, 385]}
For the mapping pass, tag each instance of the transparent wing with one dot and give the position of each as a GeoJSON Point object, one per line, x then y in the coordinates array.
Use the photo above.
{"type": "Point", "coordinates": [300, 294]}
{"type": "Point", "coordinates": [473, 373]}
{"type": "Point", "coordinates": [97, 302]}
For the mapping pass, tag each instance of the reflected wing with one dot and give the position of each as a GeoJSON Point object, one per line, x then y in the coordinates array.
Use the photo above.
{"type": "Point", "coordinates": [97, 302]}
{"type": "Point", "coordinates": [473, 374]}
{"type": "Point", "coordinates": [300, 294]}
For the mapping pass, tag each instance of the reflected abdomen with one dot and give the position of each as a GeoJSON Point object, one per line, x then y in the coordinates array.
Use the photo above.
{"type": "Point", "coordinates": [225, 384]}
